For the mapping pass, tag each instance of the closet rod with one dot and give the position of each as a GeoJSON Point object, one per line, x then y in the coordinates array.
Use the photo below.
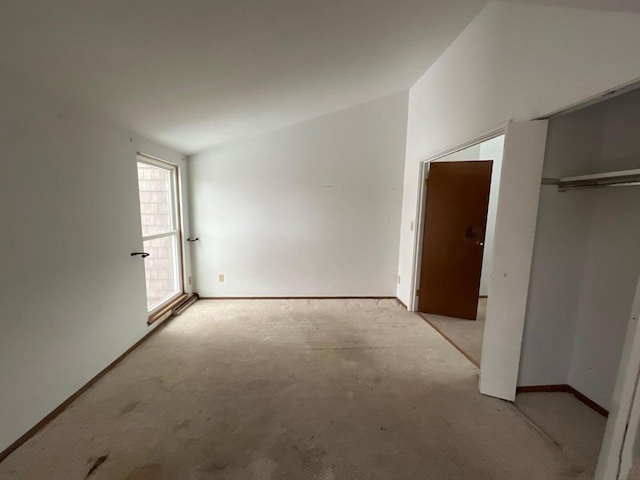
{"type": "Point", "coordinates": [623, 178]}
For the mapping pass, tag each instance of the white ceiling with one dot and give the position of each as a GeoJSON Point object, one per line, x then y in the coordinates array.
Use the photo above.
{"type": "Point", "coordinates": [193, 73]}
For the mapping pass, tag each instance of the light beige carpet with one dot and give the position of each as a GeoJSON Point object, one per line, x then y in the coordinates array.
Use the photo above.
{"type": "Point", "coordinates": [576, 428]}
{"type": "Point", "coordinates": [465, 334]}
{"type": "Point", "coordinates": [295, 389]}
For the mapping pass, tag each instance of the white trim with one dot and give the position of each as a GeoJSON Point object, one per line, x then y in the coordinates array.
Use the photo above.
{"type": "Point", "coordinates": [162, 304]}
{"type": "Point", "coordinates": [176, 225]}
{"type": "Point", "coordinates": [173, 183]}
{"type": "Point", "coordinates": [593, 99]}
{"type": "Point", "coordinates": [470, 142]}
{"type": "Point", "coordinates": [145, 157]}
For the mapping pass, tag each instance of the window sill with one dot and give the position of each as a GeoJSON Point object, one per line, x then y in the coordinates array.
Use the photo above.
{"type": "Point", "coordinates": [166, 308]}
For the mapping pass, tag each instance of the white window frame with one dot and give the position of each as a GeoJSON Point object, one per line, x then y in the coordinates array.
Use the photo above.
{"type": "Point", "coordinates": [175, 231]}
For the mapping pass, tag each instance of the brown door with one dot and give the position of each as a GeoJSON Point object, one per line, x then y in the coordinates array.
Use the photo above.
{"type": "Point", "coordinates": [453, 241]}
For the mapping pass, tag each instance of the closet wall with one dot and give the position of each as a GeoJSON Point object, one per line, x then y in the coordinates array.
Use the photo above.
{"type": "Point", "coordinates": [586, 258]}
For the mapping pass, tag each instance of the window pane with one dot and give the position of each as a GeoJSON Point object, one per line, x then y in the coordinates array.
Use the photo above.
{"type": "Point", "coordinates": [155, 199]}
{"type": "Point", "coordinates": [160, 270]}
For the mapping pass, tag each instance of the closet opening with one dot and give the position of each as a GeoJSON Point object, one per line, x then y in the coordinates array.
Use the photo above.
{"type": "Point", "coordinates": [584, 275]}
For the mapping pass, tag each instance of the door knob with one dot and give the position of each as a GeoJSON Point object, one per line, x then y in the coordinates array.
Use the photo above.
{"type": "Point", "coordinates": [142, 254]}
{"type": "Point", "coordinates": [481, 244]}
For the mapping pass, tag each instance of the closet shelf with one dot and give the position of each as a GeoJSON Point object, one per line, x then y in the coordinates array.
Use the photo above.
{"type": "Point", "coordinates": [621, 178]}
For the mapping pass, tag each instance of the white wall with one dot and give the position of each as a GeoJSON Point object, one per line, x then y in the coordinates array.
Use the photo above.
{"type": "Point", "coordinates": [488, 150]}
{"type": "Point", "coordinates": [511, 62]}
{"type": "Point", "coordinates": [612, 257]}
{"type": "Point", "coordinates": [72, 298]}
{"type": "Point", "coordinates": [586, 261]}
{"type": "Point", "coordinates": [554, 290]}
{"type": "Point", "coordinates": [610, 274]}
{"type": "Point", "coordinates": [309, 210]}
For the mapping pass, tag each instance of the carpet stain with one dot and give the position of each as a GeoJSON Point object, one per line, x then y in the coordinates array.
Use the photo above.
{"type": "Point", "coordinates": [150, 471]}
{"type": "Point", "coordinates": [221, 464]}
{"type": "Point", "coordinates": [182, 426]}
{"type": "Point", "coordinates": [96, 464]}
{"type": "Point", "coordinates": [130, 407]}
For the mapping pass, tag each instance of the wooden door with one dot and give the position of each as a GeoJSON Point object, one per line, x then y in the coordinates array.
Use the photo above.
{"type": "Point", "coordinates": [455, 220]}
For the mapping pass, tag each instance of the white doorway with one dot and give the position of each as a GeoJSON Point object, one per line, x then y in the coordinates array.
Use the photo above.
{"type": "Point", "coordinates": [464, 334]}
{"type": "Point", "coordinates": [516, 211]}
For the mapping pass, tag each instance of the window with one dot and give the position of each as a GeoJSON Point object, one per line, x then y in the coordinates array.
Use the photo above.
{"type": "Point", "coordinates": [159, 210]}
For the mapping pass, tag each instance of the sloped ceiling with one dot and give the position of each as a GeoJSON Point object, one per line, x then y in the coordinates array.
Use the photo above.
{"type": "Point", "coordinates": [193, 73]}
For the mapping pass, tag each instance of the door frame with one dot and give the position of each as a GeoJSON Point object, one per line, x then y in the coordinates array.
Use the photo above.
{"type": "Point", "coordinates": [516, 216]}
{"type": "Point", "coordinates": [418, 226]}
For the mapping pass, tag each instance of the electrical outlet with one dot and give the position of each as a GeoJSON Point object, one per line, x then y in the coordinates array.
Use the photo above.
{"type": "Point", "coordinates": [398, 279]}
{"type": "Point", "coordinates": [221, 278]}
